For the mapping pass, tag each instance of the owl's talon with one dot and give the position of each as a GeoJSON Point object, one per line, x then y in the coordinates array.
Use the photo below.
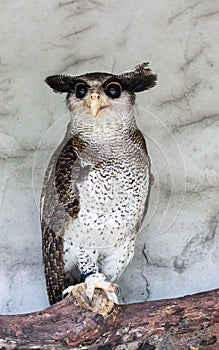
{"type": "Point", "coordinates": [67, 291]}
{"type": "Point", "coordinates": [89, 300]}
{"type": "Point", "coordinates": [98, 280]}
{"type": "Point", "coordinates": [118, 290]}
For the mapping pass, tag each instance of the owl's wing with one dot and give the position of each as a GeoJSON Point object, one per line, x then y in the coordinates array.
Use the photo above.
{"type": "Point", "coordinates": [139, 139]}
{"type": "Point", "coordinates": [59, 205]}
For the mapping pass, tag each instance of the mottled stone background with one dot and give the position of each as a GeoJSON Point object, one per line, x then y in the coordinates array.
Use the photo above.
{"type": "Point", "coordinates": [178, 249]}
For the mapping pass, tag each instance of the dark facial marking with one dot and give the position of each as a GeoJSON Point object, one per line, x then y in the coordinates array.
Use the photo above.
{"type": "Point", "coordinates": [81, 90]}
{"type": "Point", "coordinates": [113, 89]}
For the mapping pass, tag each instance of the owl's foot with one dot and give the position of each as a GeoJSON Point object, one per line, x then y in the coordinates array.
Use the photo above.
{"type": "Point", "coordinates": [100, 301]}
{"type": "Point", "coordinates": [98, 280]}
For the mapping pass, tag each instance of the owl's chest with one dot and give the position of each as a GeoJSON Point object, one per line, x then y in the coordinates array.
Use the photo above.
{"type": "Point", "coordinates": [111, 184]}
{"type": "Point", "coordinates": [112, 198]}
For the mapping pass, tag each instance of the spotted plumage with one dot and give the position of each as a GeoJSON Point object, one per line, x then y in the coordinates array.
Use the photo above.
{"type": "Point", "coordinates": [97, 184]}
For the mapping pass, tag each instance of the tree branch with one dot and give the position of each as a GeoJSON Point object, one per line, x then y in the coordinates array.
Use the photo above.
{"type": "Point", "coordinates": [188, 323]}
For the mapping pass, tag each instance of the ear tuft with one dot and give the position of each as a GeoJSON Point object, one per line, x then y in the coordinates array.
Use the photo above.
{"type": "Point", "coordinates": [139, 79]}
{"type": "Point", "coordinates": [61, 83]}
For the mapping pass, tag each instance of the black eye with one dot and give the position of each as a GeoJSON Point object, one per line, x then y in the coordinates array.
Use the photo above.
{"type": "Point", "coordinates": [113, 90]}
{"type": "Point", "coordinates": [80, 90]}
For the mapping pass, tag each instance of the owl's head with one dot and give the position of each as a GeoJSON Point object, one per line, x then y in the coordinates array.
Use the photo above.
{"type": "Point", "coordinates": [97, 98]}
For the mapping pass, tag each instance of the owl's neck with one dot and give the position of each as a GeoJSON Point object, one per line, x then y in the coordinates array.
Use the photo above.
{"type": "Point", "coordinates": [105, 129]}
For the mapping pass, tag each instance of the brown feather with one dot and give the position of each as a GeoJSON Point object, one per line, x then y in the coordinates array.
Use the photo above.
{"type": "Point", "coordinates": [60, 203]}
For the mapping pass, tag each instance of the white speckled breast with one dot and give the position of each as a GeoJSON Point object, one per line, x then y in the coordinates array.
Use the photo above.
{"type": "Point", "coordinates": [112, 200]}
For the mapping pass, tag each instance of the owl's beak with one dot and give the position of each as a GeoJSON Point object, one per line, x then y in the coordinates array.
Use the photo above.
{"type": "Point", "coordinates": [96, 104]}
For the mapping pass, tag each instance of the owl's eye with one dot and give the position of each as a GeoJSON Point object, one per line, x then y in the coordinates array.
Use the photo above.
{"type": "Point", "coordinates": [113, 90]}
{"type": "Point", "coordinates": [80, 90]}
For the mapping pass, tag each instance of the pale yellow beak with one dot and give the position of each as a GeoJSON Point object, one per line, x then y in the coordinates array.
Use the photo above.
{"type": "Point", "coordinates": [96, 104]}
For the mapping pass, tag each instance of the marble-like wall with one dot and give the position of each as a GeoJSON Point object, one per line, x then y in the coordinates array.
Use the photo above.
{"type": "Point", "coordinates": [177, 251]}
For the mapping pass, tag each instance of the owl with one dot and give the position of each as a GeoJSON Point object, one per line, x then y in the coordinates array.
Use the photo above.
{"type": "Point", "coordinates": [97, 183]}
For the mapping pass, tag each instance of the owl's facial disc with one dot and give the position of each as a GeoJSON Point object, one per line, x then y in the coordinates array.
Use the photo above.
{"type": "Point", "coordinates": [96, 104]}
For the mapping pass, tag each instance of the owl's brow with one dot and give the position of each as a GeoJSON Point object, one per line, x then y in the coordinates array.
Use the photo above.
{"type": "Point", "coordinates": [112, 80]}
{"type": "Point", "coordinates": [81, 81]}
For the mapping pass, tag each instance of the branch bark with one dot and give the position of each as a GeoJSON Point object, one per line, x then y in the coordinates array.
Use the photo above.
{"type": "Point", "coordinates": [188, 323]}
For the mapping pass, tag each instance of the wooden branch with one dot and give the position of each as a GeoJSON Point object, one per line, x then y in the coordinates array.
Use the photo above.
{"type": "Point", "coordinates": [189, 323]}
